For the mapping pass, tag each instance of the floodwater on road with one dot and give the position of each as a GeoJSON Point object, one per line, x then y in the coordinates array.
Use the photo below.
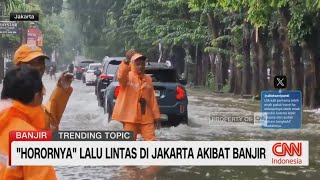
{"type": "Point", "coordinates": [83, 113]}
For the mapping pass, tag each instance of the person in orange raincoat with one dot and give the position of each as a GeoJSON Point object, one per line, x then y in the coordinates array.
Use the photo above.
{"type": "Point", "coordinates": [136, 106]}
{"type": "Point", "coordinates": [20, 110]}
{"type": "Point", "coordinates": [34, 56]}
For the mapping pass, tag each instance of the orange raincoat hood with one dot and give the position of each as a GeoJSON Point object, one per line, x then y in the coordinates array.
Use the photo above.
{"type": "Point", "coordinates": [34, 116]}
{"type": "Point", "coordinates": [133, 66]}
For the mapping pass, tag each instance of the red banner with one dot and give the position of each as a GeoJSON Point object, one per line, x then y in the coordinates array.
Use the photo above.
{"type": "Point", "coordinates": [32, 35]}
{"type": "Point", "coordinates": [28, 136]}
{"type": "Point", "coordinates": [35, 36]}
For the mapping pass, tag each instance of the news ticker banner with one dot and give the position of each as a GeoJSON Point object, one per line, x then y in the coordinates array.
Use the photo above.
{"type": "Point", "coordinates": [36, 149]}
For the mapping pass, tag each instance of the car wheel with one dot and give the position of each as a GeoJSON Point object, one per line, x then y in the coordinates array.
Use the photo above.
{"type": "Point", "coordinates": [185, 119]}
{"type": "Point", "coordinates": [109, 116]}
{"type": "Point", "coordinates": [98, 100]}
{"type": "Point", "coordinates": [109, 112]}
{"type": "Point", "coordinates": [105, 108]}
{"type": "Point", "coordinates": [175, 120]}
{"type": "Point", "coordinates": [101, 102]}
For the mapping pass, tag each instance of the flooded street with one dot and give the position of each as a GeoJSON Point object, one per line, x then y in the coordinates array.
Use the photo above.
{"type": "Point", "coordinates": [82, 113]}
{"type": "Point", "coordinates": [255, 50]}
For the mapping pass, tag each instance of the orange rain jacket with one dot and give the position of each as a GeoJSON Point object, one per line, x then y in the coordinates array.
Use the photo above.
{"type": "Point", "coordinates": [16, 116]}
{"type": "Point", "coordinates": [55, 107]}
{"type": "Point", "coordinates": [132, 87]}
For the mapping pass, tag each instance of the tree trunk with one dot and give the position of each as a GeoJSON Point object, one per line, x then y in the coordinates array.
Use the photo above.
{"type": "Point", "coordinates": [219, 80]}
{"type": "Point", "coordinates": [186, 63]}
{"type": "Point", "coordinates": [179, 58]}
{"type": "Point", "coordinates": [313, 103]}
{"type": "Point", "coordinates": [198, 66]}
{"type": "Point", "coordinates": [262, 46]}
{"type": "Point", "coordinates": [205, 68]}
{"type": "Point", "coordinates": [232, 76]}
{"type": "Point", "coordinates": [212, 58]}
{"type": "Point", "coordinates": [287, 68]}
{"type": "Point", "coordinates": [199, 71]}
{"type": "Point", "coordinates": [283, 32]}
{"type": "Point", "coordinates": [166, 54]}
{"type": "Point", "coordinates": [292, 64]}
{"type": "Point", "coordinates": [24, 31]}
{"type": "Point", "coordinates": [246, 59]}
{"type": "Point", "coordinates": [225, 68]}
{"type": "Point", "coordinates": [297, 67]}
{"type": "Point", "coordinates": [276, 53]}
{"type": "Point", "coordinates": [311, 47]}
{"type": "Point", "coordinates": [237, 90]}
{"type": "Point", "coordinates": [255, 66]}
{"type": "Point", "coordinates": [160, 52]}
{"type": "Point", "coordinates": [307, 85]}
{"type": "Point", "coordinates": [214, 28]}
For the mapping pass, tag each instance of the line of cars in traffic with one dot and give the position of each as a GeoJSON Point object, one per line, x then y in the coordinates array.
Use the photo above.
{"type": "Point", "coordinates": [169, 88]}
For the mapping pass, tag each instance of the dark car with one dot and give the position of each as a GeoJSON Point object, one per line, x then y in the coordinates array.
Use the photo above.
{"type": "Point", "coordinates": [80, 68]}
{"type": "Point", "coordinates": [110, 66]}
{"type": "Point", "coordinates": [169, 90]}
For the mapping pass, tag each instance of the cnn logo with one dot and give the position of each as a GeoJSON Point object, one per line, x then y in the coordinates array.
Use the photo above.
{"type": "Point", "coordinates": [282, 149]}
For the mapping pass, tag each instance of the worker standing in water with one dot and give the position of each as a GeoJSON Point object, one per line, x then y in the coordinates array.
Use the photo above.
{"type": "Point", "coordinates": [136, 106]}
{"type": "Point", "coordinates": [34, 57]}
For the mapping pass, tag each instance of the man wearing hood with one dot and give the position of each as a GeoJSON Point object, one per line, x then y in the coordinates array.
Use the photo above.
{"type": "Point", "coordinates": [34, 56]}
{"type": "Point", "coordinates": [136, 106]}
{"type": "Point", "coordinates": [20, 110]}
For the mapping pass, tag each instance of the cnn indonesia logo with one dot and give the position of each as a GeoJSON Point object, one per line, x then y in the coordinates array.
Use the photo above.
{"type": "Point", "coordinates": [289, 153]}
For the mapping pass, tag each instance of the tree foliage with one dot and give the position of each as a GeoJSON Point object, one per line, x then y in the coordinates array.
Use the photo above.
{"type": "Point", "coordinates": [53, 34]}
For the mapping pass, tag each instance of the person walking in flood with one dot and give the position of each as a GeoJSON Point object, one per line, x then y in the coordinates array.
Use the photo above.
{"type": "Point", "coordinates": [136, 106]}
{"type": "Point", "coordinates": [52, 71]}
{"type": "Point", "coordinates": [20, 110]}
{"type": "Point", "coordinates": [71, 68]}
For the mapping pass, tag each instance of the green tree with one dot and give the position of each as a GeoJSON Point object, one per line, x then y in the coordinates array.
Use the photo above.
{"type": "Point", "coordinates": [53, 35]}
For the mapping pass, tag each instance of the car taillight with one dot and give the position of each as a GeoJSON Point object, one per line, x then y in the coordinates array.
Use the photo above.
{"type": "Point", "coordinates": [116, 92]}
{"type": "Point", "coordinates": [180, 94]}
{"type": "Point", "coordinates": [103, 76]}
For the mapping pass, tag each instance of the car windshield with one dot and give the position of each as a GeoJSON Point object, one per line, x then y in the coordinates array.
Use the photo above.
{"type": "Point", "coordinates": [112, 69]}
{"type": "Point", "coordinates": [85, 63]}
{"type": "Point", "coordinates": [94, 67]}
{"type": "Point", "coordinates": [162, 75]}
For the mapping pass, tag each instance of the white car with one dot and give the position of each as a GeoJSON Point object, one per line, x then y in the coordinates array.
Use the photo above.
{"type": "Point", "coordinates": [90, 78]}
